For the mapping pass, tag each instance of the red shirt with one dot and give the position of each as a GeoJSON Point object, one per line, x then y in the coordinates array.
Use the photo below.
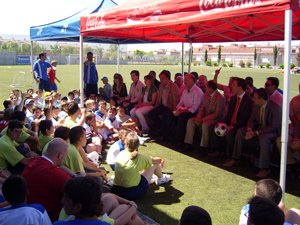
{"type": "Point", "coordinates": [3, 124]}
{"type": "Point", "coordinates": [45, 183]}
{"type": "Point", "coordinates": [51, 75]}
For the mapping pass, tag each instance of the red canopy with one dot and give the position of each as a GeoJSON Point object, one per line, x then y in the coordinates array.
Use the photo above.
{"type": "Point", "coordinates": [194, 20]}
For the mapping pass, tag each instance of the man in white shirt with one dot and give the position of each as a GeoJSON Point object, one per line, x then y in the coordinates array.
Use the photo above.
{"type": "Point", "coordinates": [188, 106]}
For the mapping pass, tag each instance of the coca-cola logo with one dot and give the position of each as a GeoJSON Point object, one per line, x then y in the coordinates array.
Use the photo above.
{"type": "Point", "coordinates": [95, 22]}
{"type": "Point", "coordinates": [144, 13]}
{"type": "Point", "coordinates": [212, 5]}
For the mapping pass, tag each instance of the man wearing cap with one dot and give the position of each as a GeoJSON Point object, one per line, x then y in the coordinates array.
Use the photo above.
{"type": "Point", "coordinates": [40, 67]}
{"type": "Point", "coordinates": [90, 76]}
{"type": "Point", "coordinates": [52, 75]}
{"type": "Point", "coordinates": [106, 91]}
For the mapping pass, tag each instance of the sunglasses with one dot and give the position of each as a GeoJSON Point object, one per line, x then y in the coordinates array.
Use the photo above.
{"type": "Point", "coordinates": [267, 85]}
{"type": "Point", "coordinates": [116, 77]}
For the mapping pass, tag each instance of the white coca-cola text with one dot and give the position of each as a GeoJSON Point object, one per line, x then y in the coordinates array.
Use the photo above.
{"type": "Point", "coordinates": [95, 22]}
{"type": "Point", "coordinates": [210, 5]}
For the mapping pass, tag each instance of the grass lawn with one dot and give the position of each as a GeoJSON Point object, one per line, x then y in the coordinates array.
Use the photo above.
{"type": "Point", "coordinates": [195, 181]}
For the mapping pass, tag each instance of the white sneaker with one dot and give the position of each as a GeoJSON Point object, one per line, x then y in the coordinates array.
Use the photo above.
{"type": "Point", "coordinates": [164, 179]}
{"type": "Point", "coordinates": [153, 179]}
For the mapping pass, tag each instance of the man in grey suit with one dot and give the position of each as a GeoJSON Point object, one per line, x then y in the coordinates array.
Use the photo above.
{"type": "Point", "coordinates": [264, 125]}
{"type": "Point", "coordinates": [210, 113]}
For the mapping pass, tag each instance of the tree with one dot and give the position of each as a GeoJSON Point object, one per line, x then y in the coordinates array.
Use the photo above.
{"type": "Point", "coordinates": [76, 51]}
{"type": "Point", "coordinates": [86, 50]}
{"type": "Point", "coordinates": [69, 50]}
{"type": "Point", "coordinates": [106, 55]}
{"type": "Point", "coordinates": [255, 56]}
{"type": "Point", "coordinates": [55, 49]}
{"type": "Point", "coordinates": [114, 55]}
{"type": "Point", "coordinates": [275, 55]}
{"type": "Point", "coordinates": [113, 48]}
{"type": "Point", "coordinates": [14, 47]}
{"type": "Point", "coordinates": [205, 55]}
{"type": "Point", "coordinates": [37, 49]}
{"type": "Point", "coordinates": [99, 52]}
{"type": "Point", "coordinates": [5, 47]}
{"type": "Point", "coordinates": [219, 54]}
{"type": "Point", "coordinates": [25, 48]}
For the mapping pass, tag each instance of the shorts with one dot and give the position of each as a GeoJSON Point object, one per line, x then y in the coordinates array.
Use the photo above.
{"type": "Point", "coordinates": [53, 87]}
{"type": "Point", "coordinates": [132, 193]}
{"type": "Point", "coordinates": [44, 85]}
{"type": "Point", "coordinates": [90, 89]}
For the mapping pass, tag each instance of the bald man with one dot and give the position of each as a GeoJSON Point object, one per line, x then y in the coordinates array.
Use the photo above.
{"type": "Point", "coordinates": [45, 178]}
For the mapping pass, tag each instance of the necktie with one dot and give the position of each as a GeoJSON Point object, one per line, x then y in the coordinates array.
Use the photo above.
{"type": "Point", "coordinates": [207, 108]}
{"type": "Point", "coordinates": [261, 117]}
{"type": "Point", "coordinates": [235, 111]}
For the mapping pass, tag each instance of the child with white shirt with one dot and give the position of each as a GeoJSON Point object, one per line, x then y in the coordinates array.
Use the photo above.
{"type": "Point", "coordinates": [112, 123]}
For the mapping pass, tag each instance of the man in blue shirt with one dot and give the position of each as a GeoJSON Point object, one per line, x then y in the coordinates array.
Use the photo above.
{"type": "Point", "coordinates": [40, 67]}
{"type": "Point", "coordinates": [90, 76]}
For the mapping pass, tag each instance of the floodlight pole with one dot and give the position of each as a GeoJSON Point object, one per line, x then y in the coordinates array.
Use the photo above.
{"type": "Point", "coordinates": [81, 70]}
{"type": "Point", "coordinates": [118, 59]}
{"type": "Point", "coordinates": [286, 98]}
{"type": "Point", "coordinates": [182, 60]}
{"type": "Point", "coordinates": [31, 61]}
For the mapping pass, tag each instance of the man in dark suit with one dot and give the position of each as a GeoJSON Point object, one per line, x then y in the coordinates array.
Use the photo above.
{"type": "Point", "coordinates": [166, 102]}
{"type": "Point", "coordinates": [239, 111]}
{"type": "Point", "coordinates": [211, 112]}
{"type": "Point", "coordinates": [264, 125]}
{"type": "Point", "coordinates": [155, 81]}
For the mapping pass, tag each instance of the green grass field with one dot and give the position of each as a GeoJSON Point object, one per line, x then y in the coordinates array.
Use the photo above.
{"type": "Point", "coordinates": [195, 181]}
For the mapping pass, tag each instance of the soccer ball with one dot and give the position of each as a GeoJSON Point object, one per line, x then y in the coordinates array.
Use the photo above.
{"type": "Point", "coordinates": [221, 129]}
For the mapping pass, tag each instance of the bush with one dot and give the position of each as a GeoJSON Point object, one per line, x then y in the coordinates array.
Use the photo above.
{"type": "Point", "coordinates": [281, 66]}
{"type": "Point", "coordinates": [186, 63]}
{"type": "Point", "coordinates": [242, 63]}
{"type": "Point", "coordinates": [249, 64]}
{"type": "Point", "coordinates": [208, 63]}
{"type": "Point", "coordinates": [215, 64]}
{"type": "Point", "coordinates": [199, 63]}
{"type": "Point", "coordinates": [194, 64]}
{"type": "Point", "coordinates": [261, 65]}
{"type": "Point", "coordinates": [230, 64]}
{"type": "Point", "coordinates": [292, 65]}
{"type": "Point", "coordinates": [224, 64]}
{"type": "Point", "coordinates": [268, 65]}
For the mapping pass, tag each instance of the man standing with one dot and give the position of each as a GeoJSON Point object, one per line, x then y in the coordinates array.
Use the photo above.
{"type": "Point", "coordinates": [271, 86]}
{"type": "Point", "coordinates": [188, 106]}
{"type": "Point", "coordinates": [211, 112]}
{"type": "Point", "coordinates": [135, 93]}
{"type": "Point", "coordinates": [167, 100]}
{"type": "Point", "coordinates": [264, 125]}
{"type": "Point", "coordinates": [90, 76]}
{"type": "Point", "coordinates": [40, 67]}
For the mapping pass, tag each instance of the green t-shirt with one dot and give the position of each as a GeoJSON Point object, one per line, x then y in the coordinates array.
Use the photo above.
{"type": "Point", "coordinates": [64, 217]}
{"type": "Point", "coordinates": [127, 171]}
{"type": "Point", "coordinates": [43, 140]}
{"type": "Point", "coordinates": [73, 159]}
{"type": "Point", "coordinates": [24, 135]}
{"type": "Point", "coordinates": [70, 123]}
{"type": "Point", "coordinates": [8, 153]}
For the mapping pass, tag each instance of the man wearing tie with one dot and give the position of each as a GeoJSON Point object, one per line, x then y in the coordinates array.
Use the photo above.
{"type": "Point", "coordinates": [264, 125]}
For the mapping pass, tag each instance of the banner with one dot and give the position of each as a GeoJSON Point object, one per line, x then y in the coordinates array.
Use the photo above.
{"type": "Point", "coordinates": [23, 60]}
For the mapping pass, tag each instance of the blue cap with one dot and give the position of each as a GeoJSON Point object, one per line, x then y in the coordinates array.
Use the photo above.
{"type": "Point", "coordinates": [28, 101]}
{"type": "Point", "coordinates": [104, 78]}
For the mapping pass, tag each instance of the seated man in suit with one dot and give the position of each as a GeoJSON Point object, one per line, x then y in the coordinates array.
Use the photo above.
{"type": "Point", "coordinates": [239, 111]}
{"type": "Point", "coordinates": [264, 125]}
{"type": "Point", "coordinates": [211, 112]}
{"type": "Point", "coordinates": [271, 86]}
{"type": "Point", "coordinates": [166, 102]}
{"type": "Point", "coordinates": [188, 106]}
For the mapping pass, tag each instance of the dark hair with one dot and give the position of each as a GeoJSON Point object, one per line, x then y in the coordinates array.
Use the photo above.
{"type": "Point", "coordinates": [112, 108]}
{"type": "Point", "coordinates": [71, 93]}
{"type": "Point", "coordinates": [241, 83]}
{"type": "Point", "coordinates": [87, 192]}
{"type": "Point", "coordinates": [177, 75]}
{"type": "Point", "coordinates": [149, 77]}
{"type": "Point", "coordinates": [30, 89]}
{"type": "Point", "coordinates": [42, 54]}
{"type": "Point", "coordinates": [6, 103]}
{"type": "Point", "coordinates": [72, 108]}
{"type": "Point", "coordinates": [76, 133]}
{"type": "Point", "coordinates": [7, 114]}
{"type": "Point", "coordinates": [265, 212]}
{"type": "Point", "coordinates": [152, 71]}
{"type": "Point", "coordinates": [120, 107]}
{"type": "Point", "coordinates": [203, 76]}
{"type": "Point", "coordinates": [195, 215]}
{"type": "Point", "coordinates": [249, 82]}
{"type": "Point", "coordinates": [14, 124]}
{"type": "Point", "coordinates": [64, 98]}
{"type": "Point", "coordinates": [166, 73]}
{"type": "Point", "coordinates": [249, 78]}
{"type": "Point", "coordinates": [44, 125]}
{"type": "Point", "coordinates": [262, 93]}
{"type": "Point", "coordinates": [275, 81]}
{"type": "Point", "coordinates": [120, 79]}
{"type": "Point", "coordinates": [137, 73]}
{"type": "Point", "coordinates": [195, 75]}
{"type": "Point", "coordinates": [62, 132]}
{"type": "Point", "coordinates": [18, 115]}
{"type": "Point", "coordinates": [89, 53]}
{"type": "Point", "coordinates": [14, 189]}
{"type": "Point", "coordinates": [89, 116]}
{"type": "Point", "coordinates": [35, 108]}
{"type": "Point", "coordinates": [270, 189]}
{"type": "Point", "coordinates": [212, 84]}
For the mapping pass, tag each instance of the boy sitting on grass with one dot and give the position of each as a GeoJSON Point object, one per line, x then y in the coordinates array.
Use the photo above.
{"type": "Point", "coordinates": [101, 115]}
{"type": "Point", "coordinates": [46, 133]}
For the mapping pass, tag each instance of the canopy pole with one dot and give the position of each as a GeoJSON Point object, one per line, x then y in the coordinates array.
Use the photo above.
{"type": "Point", "coordinates": [190, 56]}
{"type": "Point", "coordinates": [81, 70]}
{"type": "Point", "coordinates": [286, 97]}
{"type": "Point", "coordinates": [118, 59]}
{"type": "Point", "coordinates": [182, 60]}
{"type": "Point", "coordinates": [31, 61]}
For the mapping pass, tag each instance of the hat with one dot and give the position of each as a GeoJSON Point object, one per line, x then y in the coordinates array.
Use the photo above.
{"type": "Point", "coordinates": [104, 78]}
{"type": "Point", "coordinates": [47, 94]}
{"type": "Point", "coordinates": [35, 95]}
{"type": "Point", "coordinates": [28, 101]}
